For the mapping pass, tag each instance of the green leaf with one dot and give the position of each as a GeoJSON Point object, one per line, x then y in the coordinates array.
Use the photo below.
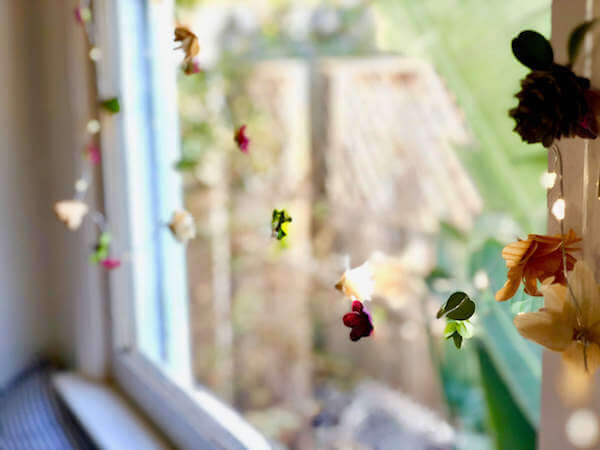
{"type": "Point", "coordinates": [576, 38]}
{"type": "Point", "coordinates": [104, 239]}
{"type": "Point", "coordinates": [450, 328]}
{"type": "Point", "coordinates": [511, 428]}
{"type": "Point", "coordinates": [457, 339]}
{"type": "Point", "coordinates": [458, 307]}
{"type": "Point", "coordinates": [533, 50]}
{"type": "Point", "coordinates": [464, 311]}
{"type": "Point", "coordinates": [111, 105]}
{"type": "Point", "coordinates": [465, 329]}
{"type": "Point", "coordinates": [435, 274]}
{"type": "Point", "coordinates": [186, 164]}
{"type": "Point", "coordinates": [279, 223]}
{"type": "Point", "coordinates": [453, 301]}
{"type": "Point", "coordinates": [517, 360]}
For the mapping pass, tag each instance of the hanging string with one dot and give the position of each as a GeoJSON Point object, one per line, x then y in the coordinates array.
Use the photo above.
{"type": "Point", "coordinates": [559, 161]}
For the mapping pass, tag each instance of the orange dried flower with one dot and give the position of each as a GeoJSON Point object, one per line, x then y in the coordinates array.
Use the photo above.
{"type": "Point", "coordinates": [536, 258]}
{"type": "Point", "coordinates": [189, 43]}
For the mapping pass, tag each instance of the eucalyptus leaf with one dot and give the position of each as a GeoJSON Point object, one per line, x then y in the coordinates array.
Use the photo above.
{"type": "Point", "coordinates": [533, 50]}
{"type": "Point", "coordinates": [457, 339]}
{"type": "Point", "coordinates": [458, 307]}
{"type": "Point", "coordinates": [464, 311]}
{"type": "Point", "coordinates": [465, 329]}
{"type": "Point", "coordinates": [576, 38]}
{"type": "Point", "coordinates": [104, 239]}
{"type": "Point", "coordinates": [186, 164]}
{"type": "Point", "coordinates": [112, 105]}
{"type": "Point", "coordinates": [450, 329]}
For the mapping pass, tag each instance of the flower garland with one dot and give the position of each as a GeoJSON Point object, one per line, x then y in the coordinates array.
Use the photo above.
{"type": "Point", "coordinates": [73, 211]}
{"type": "Point", "coordinates": [553, 103]}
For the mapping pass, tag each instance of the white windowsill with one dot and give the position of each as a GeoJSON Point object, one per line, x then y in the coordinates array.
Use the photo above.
{"type": "Point", "coordinates": [110, 421]}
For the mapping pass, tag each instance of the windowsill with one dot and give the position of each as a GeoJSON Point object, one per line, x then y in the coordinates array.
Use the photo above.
{"type": "Point", "coordinates": [108, 418]}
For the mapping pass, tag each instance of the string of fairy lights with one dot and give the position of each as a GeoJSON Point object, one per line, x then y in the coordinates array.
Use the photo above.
{"type": "Point", "coordinates": [74, 210]}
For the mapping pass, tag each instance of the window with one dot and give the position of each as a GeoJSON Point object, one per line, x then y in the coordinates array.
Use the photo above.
{"type": "Point", "coordinates": [149, 301]}
{"type": "Point", "coordinates": [368, 126]}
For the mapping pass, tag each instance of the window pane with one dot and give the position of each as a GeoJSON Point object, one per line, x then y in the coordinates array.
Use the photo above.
{"type": "Point", "coordinates": [381, 127]}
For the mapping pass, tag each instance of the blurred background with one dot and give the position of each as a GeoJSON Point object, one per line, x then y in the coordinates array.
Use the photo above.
{"type": "Point", "coordinates": [381, 126]}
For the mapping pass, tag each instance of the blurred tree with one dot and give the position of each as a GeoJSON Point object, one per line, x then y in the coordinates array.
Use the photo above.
{"type": "Point", "coordinates": [469, 43]}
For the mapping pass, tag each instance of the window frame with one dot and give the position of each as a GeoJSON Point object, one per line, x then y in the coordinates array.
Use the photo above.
{"type": "Point", "coordinates": [189, 415]}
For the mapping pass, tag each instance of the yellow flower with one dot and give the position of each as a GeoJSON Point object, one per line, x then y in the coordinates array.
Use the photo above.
{"type": "Point", "coordinates": [71, 212]}
{"type": "Point", "coordinates": [566, 324]}
{"type": "Point", "coordinates": [357, 283]}
{"type": "Point", "coordinates": [182, 226]}
{"type": "Point", "coordinates": [189, 43]}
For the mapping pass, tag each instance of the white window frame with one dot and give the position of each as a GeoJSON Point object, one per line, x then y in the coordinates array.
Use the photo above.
{"type": "Point", "coordinates": [190, 416]}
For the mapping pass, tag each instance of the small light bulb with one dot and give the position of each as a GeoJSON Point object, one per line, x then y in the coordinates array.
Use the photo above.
{"type": "Point", "coordinates": [582, 428]}
{"type": "Point", "coordinates": [548, 179]}
{"type": "Point", "coordinates": [95, 54]}
{"type": "Point", "coordinates": [558, 209]}
{"type": "Point", "coordinates": [481, 280]}
{"type": "Point", "coordinates": [93, 126]}
{"type": "Point", "coordinates": [81, 185]}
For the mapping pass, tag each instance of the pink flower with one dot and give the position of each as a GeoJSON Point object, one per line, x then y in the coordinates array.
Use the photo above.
{"type": "Point", "coordinates": [359, 320]}
{"type": "Point", "coordinates": [192, 67]}
{"type": "Point", "coordinates": [241, 139]}
{"type": "Point", "coordinates": [93, 153]}
{"type": "Point", "coordinates": [587, 127]}
{"type": "Point", "coordinates": [110, 263]}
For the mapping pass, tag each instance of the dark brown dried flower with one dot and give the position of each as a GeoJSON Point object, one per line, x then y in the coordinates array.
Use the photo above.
{"type": "Point", "coordinates": [553, 104]}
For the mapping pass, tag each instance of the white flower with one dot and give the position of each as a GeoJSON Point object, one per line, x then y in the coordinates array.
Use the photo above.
{"type": "Point", "coordinates": [358, 283]}
{"type": "Point", "coordinates": [182, 226]}
{"type": "Point", "coordinates": [71, 212]}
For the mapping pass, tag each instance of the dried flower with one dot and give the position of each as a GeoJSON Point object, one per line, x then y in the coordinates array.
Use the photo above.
{"type": "Point", "coordinates": [359, 320]}
{"type": "Point", "coordinates": [189, 43]}
{"type": "Point", "coordinates": [182, 226]}
{"type": "Point", "coordinates": [279, 223]}
{"type": "Point", "coordinates": [553, 104]}
{"type": "Point", "coordinates": [569, 322]}
{"type": "Point", "coordinates": [110, 263]}
{"type": "Point", "coordinates": [71, 212]}
{"type": "Point", "coordinates": [82, 14]}
{"type": "Point", "coordinates": [192, 67]}
{"type": "Point", "coordinates": [536, 258]}
{"type": "Point", "coordinates": [358, 283]}
{"type": "Point", "coordinates": [243, 142]}
{"type": "Point", "coordinates": [92, 152]}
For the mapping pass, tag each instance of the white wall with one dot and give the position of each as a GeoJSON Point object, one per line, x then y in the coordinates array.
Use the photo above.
{"type": "Point", "coordinates": [23, 307]}
{"type": "Point", "coordinates": [44, 106]}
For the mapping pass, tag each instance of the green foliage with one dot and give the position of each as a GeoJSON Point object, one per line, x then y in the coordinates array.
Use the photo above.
{"type": "Point", "coordinates": [576, 39]}
{"type": "Point", "coordinates": [111, 105]}
{"type": "Point", "coordinates": [279, 223]}
{"type": "Point", "coordinates": [511, 429]}
{"type": "Point", "coordinates": [458, 307]}
{"type": "Point", "coordinates": [186, 163]}
{"type": "Point", "coordinates": [458, 330]}
{"type": "Point", "coordinates": [469, 46]}
{"type": "Point", "coordinates": [517, 362]}
{"type": "Point", "coordinates": [101, 249]}
{"type": "Point", "coordinates": [533, 50]}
